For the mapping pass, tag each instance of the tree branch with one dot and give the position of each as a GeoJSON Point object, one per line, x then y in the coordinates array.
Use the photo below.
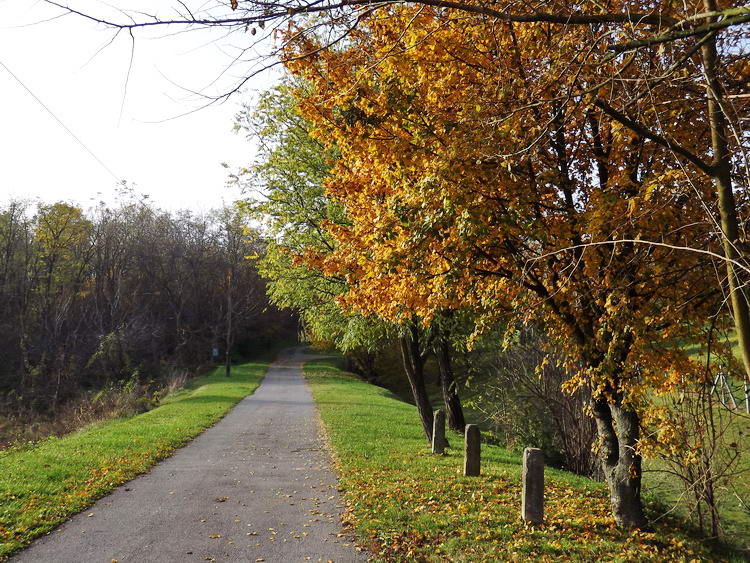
{"type": "Point", "coordinates": [655, 137]}
{"type": "Point", "coordinates": [743, 16]}
{"type": "Point", "coordinates": [272, 11]}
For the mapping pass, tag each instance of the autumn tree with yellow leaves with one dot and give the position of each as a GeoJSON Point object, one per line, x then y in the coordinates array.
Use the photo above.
{"type": "Point", "coordinates": [479, 171]}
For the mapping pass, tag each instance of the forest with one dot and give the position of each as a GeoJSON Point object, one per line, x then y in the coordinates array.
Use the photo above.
{"type": "Point", "coordinates": [104, 310]}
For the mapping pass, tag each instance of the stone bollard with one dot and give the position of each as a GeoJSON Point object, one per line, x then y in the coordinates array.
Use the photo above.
{"type": "Point", "coordinates": [438, 432]}
{"type": "Point", "coordinates": [532, 501]}
{"type": "Point", "coordinates": [471, 451]}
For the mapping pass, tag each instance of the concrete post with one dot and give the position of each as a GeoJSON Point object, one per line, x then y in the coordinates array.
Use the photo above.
{"type": "Point", "coordinates": [532, 501]}
{"type": "Point", "coordinates": [438, 432]}
{"type": "Point", "coordinates": [471, 451]}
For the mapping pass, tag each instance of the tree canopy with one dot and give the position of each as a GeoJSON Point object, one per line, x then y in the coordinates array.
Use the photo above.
{"type": "Point", "coordinates": [472, 182]}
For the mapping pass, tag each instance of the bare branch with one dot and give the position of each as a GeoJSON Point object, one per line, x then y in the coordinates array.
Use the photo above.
{"type": "Point", "coordinates": [273, 11]}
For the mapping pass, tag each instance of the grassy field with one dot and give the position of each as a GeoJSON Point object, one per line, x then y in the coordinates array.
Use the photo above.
{"type": "Point", "coordinates": [406, 504]}
{"type": "Point", "coordinates": [733, 491]}
{"type": "Point", "coordinates": [43, 484]}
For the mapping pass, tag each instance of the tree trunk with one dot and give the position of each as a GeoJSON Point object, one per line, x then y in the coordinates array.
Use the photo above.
{"type": "Point", "coordinates": [363, 363]}
{"type": "Point", "coordinates": [723, 181]}
{"type": "Point", "coordinates": [228, 344]}
{"type": "Point", "coordinates": [450, 389]}
{"type": "Point", "coordinates": [619, 431]}
{"type": "Point", "coordinates": [414, 368]}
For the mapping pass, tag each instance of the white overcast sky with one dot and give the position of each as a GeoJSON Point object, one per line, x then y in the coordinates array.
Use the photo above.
{"type": "Point", "coordinates": [176, 162]}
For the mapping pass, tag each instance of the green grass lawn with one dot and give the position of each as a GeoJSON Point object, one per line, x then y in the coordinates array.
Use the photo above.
{"type": "Point", "coordinates": [406, 504]}
{"type": "Point", "coordinates": [733, 491]}
{"type": "Point", "coordinates": [43, 484]}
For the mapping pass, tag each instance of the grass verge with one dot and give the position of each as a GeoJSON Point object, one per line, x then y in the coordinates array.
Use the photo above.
{"type": "Point", "coordinates": [406, 504]}
{"type": "Point", "coordinates": [43, 484]}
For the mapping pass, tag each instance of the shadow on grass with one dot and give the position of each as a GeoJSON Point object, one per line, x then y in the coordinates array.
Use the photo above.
{"type": "Point", "coordinates": [199, 400]}
{"type": "Point", "coordinates": [368, 406]}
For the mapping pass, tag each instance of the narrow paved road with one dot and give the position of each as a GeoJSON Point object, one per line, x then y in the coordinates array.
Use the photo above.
{"type": "Point", "coordinates": [256, 487]}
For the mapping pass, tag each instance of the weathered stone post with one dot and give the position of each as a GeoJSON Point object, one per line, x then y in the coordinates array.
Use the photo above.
{"type": "Point", "coordinates": [438, 432]}
{"type": "Point", "coordinates": [471, 451]}
{"type": "Point", "coordinates": [532, 501]}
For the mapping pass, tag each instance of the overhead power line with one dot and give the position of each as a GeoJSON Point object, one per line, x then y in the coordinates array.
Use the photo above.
{"type": "Point", "coordinates": [79, 141]}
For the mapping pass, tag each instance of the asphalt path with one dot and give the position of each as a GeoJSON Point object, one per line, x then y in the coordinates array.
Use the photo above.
{"type": "Point", "coordinates": [257, 486]}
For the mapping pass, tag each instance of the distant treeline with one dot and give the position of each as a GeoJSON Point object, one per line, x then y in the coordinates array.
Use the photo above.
{"type": "Point", "coordinates": [115, 295]}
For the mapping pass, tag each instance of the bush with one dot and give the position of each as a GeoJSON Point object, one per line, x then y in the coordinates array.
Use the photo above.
{"type": "Point", "coordinates": [523, 402]}
{"type": "Point", "coordinates": [20, 423]}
